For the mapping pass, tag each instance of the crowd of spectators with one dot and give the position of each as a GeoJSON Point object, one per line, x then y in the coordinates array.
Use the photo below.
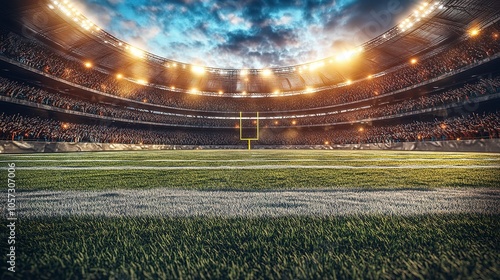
{"type": "Point", "coordinates": [17, 127]}
{"type": "Point", "coordinates": [485, 125]}
{"type": "Point", "coordinates": [33, 94]}
{"type": "Point", "coordinates": [36, 55]}
{"type": "Point", "coordinates": [465, 93]}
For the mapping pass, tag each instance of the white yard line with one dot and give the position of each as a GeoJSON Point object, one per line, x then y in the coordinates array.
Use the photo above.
{"type": "Point", "coordinates": [253, 167]}
{"type": "Point", "coordinates": [181, 203]}
{"type": "Point", "coordinates": [247, 160]}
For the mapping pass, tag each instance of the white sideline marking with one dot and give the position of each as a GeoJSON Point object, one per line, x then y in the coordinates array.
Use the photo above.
{"type": "Point", "coordinates": [182, 203]}
{"type": "Point", "coordinates": [252, 167]}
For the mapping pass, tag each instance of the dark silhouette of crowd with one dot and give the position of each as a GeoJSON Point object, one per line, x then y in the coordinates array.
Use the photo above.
{"type": "Point", "coordinates": [18, 127]}
{"type": "Point", "coordinates": [43, 58]}
{"type": "Point", "coordinates": [465, 93]}
{"type": "Point", "coordinates": [36, 55]}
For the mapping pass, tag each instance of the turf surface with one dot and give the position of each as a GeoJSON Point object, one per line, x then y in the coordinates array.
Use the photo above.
{"type": "Point", "coordinates": [374, 169]}
{"type": "Point", "coordinates": [356, 247]}
{"type": "Point", "coordinates": [442, 246]}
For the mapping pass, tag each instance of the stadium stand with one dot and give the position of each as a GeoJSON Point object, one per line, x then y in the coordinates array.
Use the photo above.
{"type": "Point", "coordinates": [451, 92]}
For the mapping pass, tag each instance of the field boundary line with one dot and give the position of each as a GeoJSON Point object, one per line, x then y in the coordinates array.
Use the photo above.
{"type": "Point", "coordinates": [254, 167]}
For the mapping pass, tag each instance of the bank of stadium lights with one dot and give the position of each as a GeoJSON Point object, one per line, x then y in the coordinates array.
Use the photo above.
{"type": "Point", "coordinates": [413, 61]}
{"type": "Point", "coordinates": [221, 92]}
{"type": "Point", "coordinates": [87, 64]}
{"type": "Point", "coordinates": [119, 76]}
{"type": "Point", "coordinates": [68, 9]}
{"type": "Point", "coordinates": [418, 14]}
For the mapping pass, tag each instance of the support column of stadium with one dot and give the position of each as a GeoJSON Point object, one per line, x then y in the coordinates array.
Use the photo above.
{"type": "Point", "coordinates": [249, 139]}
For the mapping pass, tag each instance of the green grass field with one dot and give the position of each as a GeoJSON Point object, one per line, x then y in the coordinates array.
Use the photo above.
{"type": "Point", "coordinates": [255, 170]}
{"type": "Point", "coordinates": [439, 245]}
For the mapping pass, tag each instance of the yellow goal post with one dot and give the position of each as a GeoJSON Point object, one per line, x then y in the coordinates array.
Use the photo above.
{"type": "Point", "coordinates": [249, 139]}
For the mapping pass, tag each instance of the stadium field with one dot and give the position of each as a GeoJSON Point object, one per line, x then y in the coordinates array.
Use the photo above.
{"type": "Point", "coordinates": [253, 170]}
{"type": "Point", "coordinates": [237, 214]}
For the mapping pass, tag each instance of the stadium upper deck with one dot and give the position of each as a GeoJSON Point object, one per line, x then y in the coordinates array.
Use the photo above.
{"type": "Point", "coordinates": [438, 25]}
{"type": "Point", "coordinates": [407, 99]}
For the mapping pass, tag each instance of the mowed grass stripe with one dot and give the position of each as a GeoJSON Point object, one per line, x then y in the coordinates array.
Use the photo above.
{"type": "Point", "coordinates": [167, 202]}
{"type": "Point", "coordinates": [463, 246]}
{"type": "Point", "coordinates": [247, 160]}
{"type": "Point", "coordinates": [254, 167]}
{"type": "Point", "coordinates": [255, 179]}
{"type": "Point", "coordinates": [255, 154]}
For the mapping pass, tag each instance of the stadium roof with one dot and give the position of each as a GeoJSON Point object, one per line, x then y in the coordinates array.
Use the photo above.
{"type": "Point", "coordinates": [436, 25]}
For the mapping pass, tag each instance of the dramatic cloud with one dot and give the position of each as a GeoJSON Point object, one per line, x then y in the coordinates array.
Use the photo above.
{"type": "Point", "coordinates": [246, 33]}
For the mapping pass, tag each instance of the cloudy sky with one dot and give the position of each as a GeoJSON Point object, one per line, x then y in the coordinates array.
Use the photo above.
{"type": "Point", "coordinates": [246, 33]}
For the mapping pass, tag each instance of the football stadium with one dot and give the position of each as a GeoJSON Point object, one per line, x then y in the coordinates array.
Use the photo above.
{"type": "Point", "coordinates": [251, 150]}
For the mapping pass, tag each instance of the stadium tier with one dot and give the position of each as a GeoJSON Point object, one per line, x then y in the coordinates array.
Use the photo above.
{"type": "Point", "coordinates": [57, 89]}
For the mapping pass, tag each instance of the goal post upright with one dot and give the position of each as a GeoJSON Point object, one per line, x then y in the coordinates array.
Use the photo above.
{"type": "Point", "coordinates": [247, 138]}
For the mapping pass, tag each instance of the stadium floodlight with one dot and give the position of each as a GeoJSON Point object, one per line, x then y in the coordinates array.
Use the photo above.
{"type": "Point", "coordinates": [142, 82]}
{"type": "Point", "coordinates": [244, 72]}
{"type": "Point", "coordinates": [474, 32]}
{"type": "Point", "coordinates": [413, 61]}
{"type": "Point", "coordinates": [199, 70]}
{"type": "Point", "coordinates": [316, 65]}
{"type": "Point", "coordinates": [221, 92]}
{"type": "Point", "coordinates": [136, 52]}
{"type": "Point", "coordinates": [347, 55]}
{"type": "Point", "coordinates": [119, 76]}
{"type": "Point", "coordinates": [88, 64]}
{"type": "Point", "coordinates": [266, 72]}
{"type": "Point", "coordinates": [349, 82]}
